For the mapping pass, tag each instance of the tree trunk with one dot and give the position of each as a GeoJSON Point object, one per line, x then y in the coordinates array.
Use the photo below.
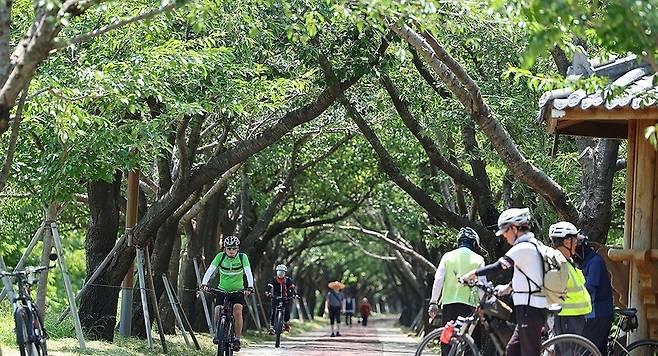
{"type": "Point", "coordinates": [98, 312]}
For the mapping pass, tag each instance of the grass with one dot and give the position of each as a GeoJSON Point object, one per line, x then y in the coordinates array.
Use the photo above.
{"type": "Point", "coordinates": [63, 341]}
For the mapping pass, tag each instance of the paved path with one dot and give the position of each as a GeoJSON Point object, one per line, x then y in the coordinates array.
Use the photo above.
{"type": "Point", "coordinates": [380, 338]}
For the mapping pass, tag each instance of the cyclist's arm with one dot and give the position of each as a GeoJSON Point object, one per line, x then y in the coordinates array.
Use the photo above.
{"type": "Point", "coordinates": [211, 269]}
{"type": "Point", "coordinates": [502, 264]}
{"type": "Point", "coordinates": [293, 288]}
{"type": "Point", "coordinates": [206, 277]}
{"type": "Point", "coordinates": [250, 276]}
{"type": "Point", "coordinates": [483, 280]}
{"type": "Point", "coordinates": [438, 282]}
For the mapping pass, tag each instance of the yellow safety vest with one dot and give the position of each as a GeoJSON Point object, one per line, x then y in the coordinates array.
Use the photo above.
{"type": "Point", "coordinates": [457, 263]}
{"type": "Point", "coordinates": [578, 301]}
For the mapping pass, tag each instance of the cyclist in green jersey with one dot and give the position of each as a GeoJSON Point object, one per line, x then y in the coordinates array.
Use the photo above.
{"type": "Point", "coordinates": [233, 266]}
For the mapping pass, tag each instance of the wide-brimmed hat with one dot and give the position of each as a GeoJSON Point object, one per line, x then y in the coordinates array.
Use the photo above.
{"type": "Point", "coordinates": [336, 285]}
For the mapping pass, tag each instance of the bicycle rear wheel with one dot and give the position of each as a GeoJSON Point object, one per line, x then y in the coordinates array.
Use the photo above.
{"type": "Point", "coordinates": [640, 348]}
{"type": "Point", "coordinates": [569, 345]}
{"type": "Point", "coordinates": [278, 328]}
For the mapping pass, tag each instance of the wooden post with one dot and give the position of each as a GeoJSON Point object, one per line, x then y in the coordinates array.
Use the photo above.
{"type": "Point", "coordinates": [67, 285]}
{"type": "Point", "coordinates": [100, 269]}
{"type": "Point", "coordinates": [203, 296]}
{"type": "Point", "coordinates": [37, 236]}
{"type": "Point", "coordinates": [142, 292]}
{"type": "Point", "coordinates": [179, 321]}
{"type": "Point", "coordinates": [185, 320]}
{"type": "Point", "coordinates": [254, 311]}
{"type": "Point", "coordinates": [125, 322]}
{"type": "Point", "coordinates": [630, 179]}
{"type": "Point", "coordinates": [7, 282]}
{"type": "Point", "coordinates": [154, 298]}
{"type": "Point", "coordinates": [42, 284]}
{"type": "Point", "coordinates": [259, 302]}
{"type": "Point", "coordinates": [305, 305]}
{"type": "Point", "coordinates": [642, 222]}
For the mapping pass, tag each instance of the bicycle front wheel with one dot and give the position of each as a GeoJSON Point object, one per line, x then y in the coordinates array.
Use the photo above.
{"type": "Point", "coordinates": [640, 348]}
{"type": "Point", "coordinates": [430, 344]}
{"type": "Point", "coordinates": [25, 343]}
{"type": "Point", "coordinates": [569, 345]}
{"type": "Point", "coordinates": [460, 346]}
{"type": "Point", "coordinates": [221, 334]}
{"type": "Point", "coordinates": [278, 328]}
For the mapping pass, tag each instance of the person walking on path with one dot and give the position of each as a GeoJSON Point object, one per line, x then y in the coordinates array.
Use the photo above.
{"type": "Point", "coordinates": [597, 281]}
{"type": "Point", "coordinates": [365, 308]}
{"type": "Point", "coordinates": [456, 299]}
{"type": "Point", "coordinates": [350, 309]}
{"type": "Point", "coordinates": [334, 305]}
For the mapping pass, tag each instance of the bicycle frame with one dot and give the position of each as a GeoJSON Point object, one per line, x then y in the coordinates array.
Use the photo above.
{"type": "Point", "coordinates": [225, 315]}
{"type": "Point", "coordinates": [467, 325]}
{"type": "Point", "coordinates": [24, 305]}
{"type": "Point", "coordinates": [613, 341]}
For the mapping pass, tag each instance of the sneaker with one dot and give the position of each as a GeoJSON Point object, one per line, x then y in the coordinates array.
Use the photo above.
{"type": "Point", "coordinates": [338, 333]}
{"type": "Point", "coordinates": [236, 345]}
{"type": "Point", "coordinates": [286, 327]}
{"type": "Point", "coordinates": [332, 334]}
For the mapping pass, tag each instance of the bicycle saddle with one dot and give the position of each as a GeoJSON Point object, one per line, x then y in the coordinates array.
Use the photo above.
{"type": "Point", "coordinates": [628, 312]}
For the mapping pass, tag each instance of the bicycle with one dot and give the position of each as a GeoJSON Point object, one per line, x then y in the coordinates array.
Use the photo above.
{"type": "Point", "coordinates": [627, 323]}
{"type": "Point", "coordinates": [224, 330]}
{"type": "Point", "coordinates": [30, 330]}
{"type": "Point", "coordinates": [278, 304]}
{"type": "Point", "coordinates": [491, 315]}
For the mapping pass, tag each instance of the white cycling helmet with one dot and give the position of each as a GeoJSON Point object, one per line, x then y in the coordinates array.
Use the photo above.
{"type": "Point", "coordinates": [231, 241]}
{"type": "Point", "coordinates": [468, 234]}
{"type": "Point", "coordinates": [514, 216]}
{"type": "Point", "coordinates": [562, 229]}
{"type": "Point", "coordinates": [281, 268]}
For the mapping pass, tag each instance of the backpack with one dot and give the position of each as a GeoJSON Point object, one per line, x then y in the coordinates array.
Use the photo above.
{"type": "Point", "coordinates": [555, 272]}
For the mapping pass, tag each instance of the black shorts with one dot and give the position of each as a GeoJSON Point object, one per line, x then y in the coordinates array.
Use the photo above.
{"type": "Point", "coordinates": [235, 298]}
{"type": "Point", "coordinates": [334, 315]}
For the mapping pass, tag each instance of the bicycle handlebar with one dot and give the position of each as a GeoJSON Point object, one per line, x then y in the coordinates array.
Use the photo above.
{"type": "Point", "coordinates": [219, 291]}
{"type": "Point", "coordinates": [486, 287]}
{"type": "Point", "coordinates": [26, 271]}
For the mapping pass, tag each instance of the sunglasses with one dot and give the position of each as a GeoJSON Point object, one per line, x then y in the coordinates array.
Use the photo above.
{"type": "Point", "coordinates": [232, 248]}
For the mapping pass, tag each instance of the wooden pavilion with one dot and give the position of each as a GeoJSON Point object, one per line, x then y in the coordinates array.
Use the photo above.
{"type": "Point", "coordinates": [634, 268]}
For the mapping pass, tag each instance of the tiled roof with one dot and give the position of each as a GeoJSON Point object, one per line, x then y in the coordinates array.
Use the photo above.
{"type": "Point", "coordinates": [634, 77]}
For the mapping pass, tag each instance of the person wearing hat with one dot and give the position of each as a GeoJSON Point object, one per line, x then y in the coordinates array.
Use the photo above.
{"type": "Point", "coordinates": [456, 299]}
{"type": "Point", "coordinates": [524, 257]}
{"type": "Point", "coordinates": [577, 302]}
{"type": "Point", "coordinates": [334, 305]}
{"type": "Point", "coordinates": [281, 286]}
